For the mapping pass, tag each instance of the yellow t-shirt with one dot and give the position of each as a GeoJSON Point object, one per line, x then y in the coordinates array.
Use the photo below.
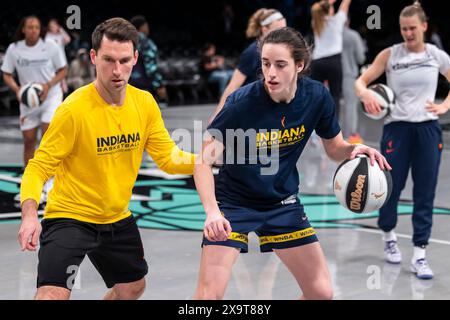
{"type": "Point", "coordinates": [94, 150]}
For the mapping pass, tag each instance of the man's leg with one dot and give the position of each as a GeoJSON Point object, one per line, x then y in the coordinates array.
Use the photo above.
{"type": "Point", "coordinates": [119, 258]}
{"type": "Point", "coordinates": [52, 293]}
{"type": "Point", "coordinates": [64, 243]}
{"type": "Point", "coordinates": [126, 291]}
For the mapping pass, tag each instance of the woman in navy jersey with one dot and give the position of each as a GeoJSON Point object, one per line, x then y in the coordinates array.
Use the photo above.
{"type": "Point", "coordinates": [261, 132]}
{"type": "Point", "coordinates": [412, 137]}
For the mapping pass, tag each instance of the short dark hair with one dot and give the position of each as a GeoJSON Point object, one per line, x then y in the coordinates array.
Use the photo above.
{"type": "Point", "coordinates": [300, 50]}
{"type": "Point", "coordinates": [117, 29]}
{"type": "Point", "coordinates": [138, 21]}
{"type": "Point", "coordinates": [208, 46]}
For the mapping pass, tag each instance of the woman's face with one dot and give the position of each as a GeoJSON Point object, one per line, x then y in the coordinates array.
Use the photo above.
{"type": "Point", "coordinates": [412, 30]}
{"type": "Point", "coordinates": [53, 26]}
{"type": "Point", "coordinates": [280, 70]}
{"type": "Point", "coordinates": [273, 26]}
{"type": "Point", "coordinates": [32, 30]}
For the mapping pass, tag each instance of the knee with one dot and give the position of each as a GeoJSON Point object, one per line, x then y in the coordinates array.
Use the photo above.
{"type": "Point", "coordinates": [52, 293]}
{"type": "Point", "coordinates": [209, 291]}
{"type": "Point", "coordinates": [208, 294]}
{"type": "Point", "coordinates": [130, 291]}
{"type": "Point", "coordinates": [322, 292]}
{"type": "Point", "coordinates": [325, 294]}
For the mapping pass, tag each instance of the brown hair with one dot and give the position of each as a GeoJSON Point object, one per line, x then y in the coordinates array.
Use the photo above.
{"type": "Point", "coordinates": [319, 11]}
{"type": "Point", "coordinates": [300, 50]}
{"type": "Point", "coordinates": [254, 23]}
{"type": "Point", "coordinates": [117, 29]}
{"type": "Point", "coordinates": [414, 9]}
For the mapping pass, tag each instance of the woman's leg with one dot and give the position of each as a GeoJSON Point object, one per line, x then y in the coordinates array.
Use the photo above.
{"type": "Point", "coordinates": [215, 270]}
{"type": "Point", "coordinates": [334, 77]}
{"type": "Point", "coordinates": [307, 264]}
{"type": "Point", "coordinates": [427, 151]}
{"type": "Point", "coordinates": [29, 142]}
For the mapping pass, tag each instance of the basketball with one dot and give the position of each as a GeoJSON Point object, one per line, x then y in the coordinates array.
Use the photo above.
{"type": "Point", "coordinates": [386, 99]}
{"type": "Point", "coordinates": [360, 187]}
{"type": "Point", "coordinates": [29, 95]}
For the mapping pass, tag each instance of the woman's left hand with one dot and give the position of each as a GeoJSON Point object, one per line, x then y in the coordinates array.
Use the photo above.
{"type": "Point", "coordinates": [373, 154]}
{"type": "Point", "coordinates": [436, 109]}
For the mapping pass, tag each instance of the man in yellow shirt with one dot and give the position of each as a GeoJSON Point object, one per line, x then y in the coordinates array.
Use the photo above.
{"type": "Point", "coordinates": [94, 148]}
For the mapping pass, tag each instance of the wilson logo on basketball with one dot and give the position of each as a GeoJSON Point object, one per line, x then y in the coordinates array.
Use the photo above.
{"type": "Point", "coordinates": [356, 195]}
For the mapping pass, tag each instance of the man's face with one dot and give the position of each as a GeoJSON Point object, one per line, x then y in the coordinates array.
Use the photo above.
{"type": "Point", "coordinates": [114, 62]}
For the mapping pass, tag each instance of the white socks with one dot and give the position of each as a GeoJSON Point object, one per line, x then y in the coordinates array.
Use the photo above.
{"type": "Point", "coordinates": [419, 253]}
{"type": "Point", "coordinates": [389, 236]}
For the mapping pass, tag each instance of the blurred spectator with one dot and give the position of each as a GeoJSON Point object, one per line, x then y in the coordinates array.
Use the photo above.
{"type": "Point", "coordinates": [75, 44]}
{"type": "Point", "coordinates": [328, 27]}
{"type": "Point", "coordinates": [248, 70]}
{"type": "Point", "coordinates": [81, 70]}
{"type": "Point", "coordinates": [55, 32]}
{"type": "Point", "coordinates": [34, 61]}
{"type": "Point", "coordinates": [228, 19]}
{"type": "Point", "coordinates": [213, 67]}
{"type": "Point", "coordinates": [146, 75]}
{"type": "Point", "coordinates": [435, 38]}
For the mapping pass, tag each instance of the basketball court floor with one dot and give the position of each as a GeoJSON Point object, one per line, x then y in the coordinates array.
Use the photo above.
{"type": "Point", "coordinates": [170, 215]}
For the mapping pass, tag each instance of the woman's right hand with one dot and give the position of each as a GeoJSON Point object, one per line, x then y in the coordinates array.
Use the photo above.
{"type": "Point", "coordinates": [216, 228]}
{"type": "Point", "coordinates": [30, 228]}
{"type": "Point", "coordinates": [371, 104]}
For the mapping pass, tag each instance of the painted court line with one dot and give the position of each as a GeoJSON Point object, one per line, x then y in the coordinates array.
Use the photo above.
{"type": "Point", "coordinates": [400, 235]}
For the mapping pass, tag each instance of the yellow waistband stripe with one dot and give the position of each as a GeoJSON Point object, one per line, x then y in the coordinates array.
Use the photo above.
{"type": "Point", "coordinates": [287, 236]}
{"type": "Point", "coordinates": [238, 237]}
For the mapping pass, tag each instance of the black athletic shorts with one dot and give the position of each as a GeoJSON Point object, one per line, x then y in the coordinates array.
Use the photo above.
{"type": "Point", "coordinates": [281, 227]}
{"type": "Point", "coordinates": [114, 249]}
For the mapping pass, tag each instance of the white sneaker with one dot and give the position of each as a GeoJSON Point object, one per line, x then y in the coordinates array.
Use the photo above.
{"type": "Point", "coordinates": [392, 253]}
{"type": "Point", "coordinates": [421, 268]}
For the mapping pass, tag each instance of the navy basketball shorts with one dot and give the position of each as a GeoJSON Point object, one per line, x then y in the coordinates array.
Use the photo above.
{"type": "Point", "coordinates": [281, 227]}
{"type": "Point", "coordinates": [114, 249]}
